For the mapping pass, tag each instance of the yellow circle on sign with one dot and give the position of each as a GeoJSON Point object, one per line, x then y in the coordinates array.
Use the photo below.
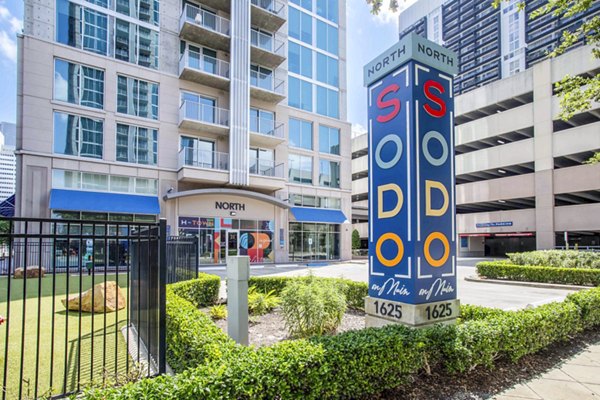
{"type": "Point", "coordinates": [439, 236]}
{"type": "Point", "coordinates": [394, 261]}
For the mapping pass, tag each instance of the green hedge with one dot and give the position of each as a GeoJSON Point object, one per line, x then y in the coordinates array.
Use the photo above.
{"type": "Point", "coordinates": [355, 291]}
{"type": "Point", "coordinates": [202, 292]}
{"type": "Point", "coordinates": [355, 364]}
{"type": "Point", "coordinates": [529, 273]}
{"type": "Point", "coordinates": [557, 258]}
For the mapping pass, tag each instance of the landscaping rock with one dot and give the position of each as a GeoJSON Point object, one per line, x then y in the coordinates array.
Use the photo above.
{"type": "Point", "coordinates": [109, 291]}
{"type": "Point", "coordinates": [32, 271]}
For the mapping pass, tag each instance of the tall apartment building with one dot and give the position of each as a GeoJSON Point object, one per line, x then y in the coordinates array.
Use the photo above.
{"type": "Point", "coordinates": [491, 43]}
{"type": "Point", "coordinates": [521, 184]}
{"type": "Point", "coordinates": [7, 160]}
{"type": "Point", "coordinates": [227, 118]}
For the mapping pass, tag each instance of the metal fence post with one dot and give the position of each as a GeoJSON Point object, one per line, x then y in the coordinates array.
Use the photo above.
{"type": "Point", "coordinates": [162, 268]}
{"type": "Point", "coordinates": [197, 255]}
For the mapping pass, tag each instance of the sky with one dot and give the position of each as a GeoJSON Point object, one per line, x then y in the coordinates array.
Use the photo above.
{"type": "Point", "coordinates": [367, 37]}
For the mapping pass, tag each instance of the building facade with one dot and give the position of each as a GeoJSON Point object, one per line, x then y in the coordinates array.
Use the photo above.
{"type": "Point", "coordinates": [491, 43]}
{"type": "Point", "coordinates": [521, 181]}
{"type": "Point", "coordinates": [227, 118]}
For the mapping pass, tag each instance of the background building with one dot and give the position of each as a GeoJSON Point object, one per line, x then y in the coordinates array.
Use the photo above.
{"type": "Point", "coordinates": [225, 117]}
{"type": "Point", "coordinates": [520, 179]}
{"type": "Point", "coordinates": [7, 160]}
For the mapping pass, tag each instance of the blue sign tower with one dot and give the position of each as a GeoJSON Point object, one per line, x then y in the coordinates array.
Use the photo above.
{"type": "Point", "coordinates": [412, 227]}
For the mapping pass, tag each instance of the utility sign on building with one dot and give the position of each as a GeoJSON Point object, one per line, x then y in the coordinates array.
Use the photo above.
{"type": "Point", "coordinates": [412, 228]}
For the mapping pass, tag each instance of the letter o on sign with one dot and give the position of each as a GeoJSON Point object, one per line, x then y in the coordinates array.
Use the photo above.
{"type": "Point", "coordinates": [388, 164]}
{"type": "Point", "coordinates": [439, 236]}
{"type": "Point", "coordinates": [432, 160]}
{"type": "Point", "coordinates": [396, 239]}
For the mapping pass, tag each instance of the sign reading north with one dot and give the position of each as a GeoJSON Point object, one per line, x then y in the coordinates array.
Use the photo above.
{"type": "Point", "coordinates": [412, 230]}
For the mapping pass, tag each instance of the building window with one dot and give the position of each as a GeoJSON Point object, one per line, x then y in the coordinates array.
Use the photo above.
{"type": "Point", "coordinates": [329, 173]}
{"type": "Point", "coordinates": [203, 59]}
{"type": "Point", "coordinates": [144, 10]}
{"type": "Point", "coordinates": [513, 32]}
{"type": "Point", "coordinates": [65, 179]}
{"type": "Point", "coordinates": [262, 121]}
{"type": "Point", "coordinates": [300, 60]}
{"type": "Point", "coordinates": [137, 145]}
{"type": "Point", "coordinates": [301, 134]}
{"type": "Point", "coordinates": [77, 136]}
{"type": "Point", "coordinates": [78, 84]}
{"type": "Point", "coordinates": [261, 77]}
{"type": "Point", "coordinates": [300, 169]}
{"type": "Point", "coordinates": [329, 140]}
{"type": "Point", "coordinates": [137, 97]}
{"type": "Point", "coordinates": [327, 37]}
{"type": "Point", "coordinates": [262, 39]}
{"type": "Point", "coordinates": [315, 201]}
{"type": "Point", "coordinates": [136, 44]}
{"type": "Point", "coordinates": [300, 25]}
{"type": "Point", "coordinates": [328, 9]}
{"type": "Point", "coordinates": [300, 94]}
{"type": "Point", "coordinates": [327, 70]}
{"type": "Point", "coordinates": [202, 108]}
{"type": "Point", "coordinates": [199, 152]}
{"type": "Point", "coordinates": [309, 241]}
{"type": "Point", "coordinates": [303, 3]}
{"type": "Point", "coordinates": [262, 161]}
{"type": "Point", "coordinates": [328, 102]}
{"type": "Point", "coordinates": [81, 27]}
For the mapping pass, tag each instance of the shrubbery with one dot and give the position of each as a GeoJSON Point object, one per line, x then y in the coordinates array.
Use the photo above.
{"type": "Point", "coordinates": [313, 307]}
{"type": "Point", "coordinates": [218, 311]}
{"type": "Point", "coordinates": [527, 273]}
{"type": "Point", "coordinates": [557, 258]}
{"type": "Point", "coordinates": [260, 303]}
{"type": "Point", "coordinates": [355, 364]}
{"type": "Point", "coordinates": [202, 292]}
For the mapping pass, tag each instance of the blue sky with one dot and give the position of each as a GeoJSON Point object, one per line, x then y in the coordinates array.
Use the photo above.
{"type": "Point", "coordinates": [367, 36]}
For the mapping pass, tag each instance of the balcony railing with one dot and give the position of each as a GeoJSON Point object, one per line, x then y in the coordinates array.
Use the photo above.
{"type": "Point", "coordinates": [194, 111]}
{"type": "Point", "coordinates": [267, 42]}
{"type": "Point", "coordinates": [200, 62]}
{"type": "Point", "coordinates": [194, 157]}
{"type": "Point", "coordinates": [266, 126]}
{"type": "Point", "coordinates": [266, 168]}
{"type": "Point", "coordinates": [205, 19]}
{"type": "Point", "coordinates": [267, 82]}
{"type": "Point", "coordinates": [273, 6]}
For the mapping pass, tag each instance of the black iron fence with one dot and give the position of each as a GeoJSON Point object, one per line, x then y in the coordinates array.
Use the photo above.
{"type": "Point", "coordinates": [81, 302]}
{"type": "Point", "coordinates": [182, 258]}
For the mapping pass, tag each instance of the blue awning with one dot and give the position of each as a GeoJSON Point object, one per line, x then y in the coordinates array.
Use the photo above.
{"type": "Point", "coordinates": [77, 200]}
{"type": "Point", "coordinates": [306, 214]}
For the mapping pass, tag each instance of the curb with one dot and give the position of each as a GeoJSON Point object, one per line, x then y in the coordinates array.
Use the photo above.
{"type": "Point", "coordinates": [527, 284]}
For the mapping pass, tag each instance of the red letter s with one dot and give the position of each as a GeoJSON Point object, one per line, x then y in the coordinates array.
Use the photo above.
{"type": "Point", "coordinates": [430, 96]}
{"type": "Point", "coordinates": [394, 102]}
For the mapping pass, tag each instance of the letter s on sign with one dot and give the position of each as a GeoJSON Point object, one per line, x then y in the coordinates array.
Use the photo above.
{"type": "Point", "coordinates": [394, 102]}
{"type": "Point", "coordinates": [430, 96]}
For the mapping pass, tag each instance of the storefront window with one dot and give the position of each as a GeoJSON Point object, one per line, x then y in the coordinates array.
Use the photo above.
{"type": "Point", "coordinates": [311, 242]}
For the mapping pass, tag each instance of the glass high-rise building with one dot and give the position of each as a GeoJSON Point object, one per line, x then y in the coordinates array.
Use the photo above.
{"type": "Point", "coordinates": [227, 118]}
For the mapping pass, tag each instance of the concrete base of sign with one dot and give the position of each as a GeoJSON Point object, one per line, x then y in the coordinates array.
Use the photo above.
{"type": "Point", "coordinates": [381, 312]}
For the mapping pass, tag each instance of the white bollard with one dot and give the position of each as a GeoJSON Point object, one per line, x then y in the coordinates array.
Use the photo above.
{"type": "Point", "coordinates": [238, 273]}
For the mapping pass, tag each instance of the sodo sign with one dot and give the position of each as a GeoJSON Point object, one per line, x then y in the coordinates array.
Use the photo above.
{"type": "Point", "coordinates": [412, 229]}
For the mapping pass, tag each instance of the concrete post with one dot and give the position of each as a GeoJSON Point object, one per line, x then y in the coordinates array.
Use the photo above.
{"type": "Point", "coordinates": [238, 272]}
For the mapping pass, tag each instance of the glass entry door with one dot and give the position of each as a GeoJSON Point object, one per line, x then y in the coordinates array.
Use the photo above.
{"type": "Point", "coordinates": [233, 243]}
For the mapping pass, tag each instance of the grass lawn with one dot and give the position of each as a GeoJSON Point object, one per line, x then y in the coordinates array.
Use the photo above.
{"type": "Point", "coordinates": [101, 354]}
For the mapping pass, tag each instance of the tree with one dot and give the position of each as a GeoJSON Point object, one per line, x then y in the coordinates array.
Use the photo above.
{"type": "Point", "coordinates": [576, 93]}
{"type": "Point", "coordinates": [355, 240]}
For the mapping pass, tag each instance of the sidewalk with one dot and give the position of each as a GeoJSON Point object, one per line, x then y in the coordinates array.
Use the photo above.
{"type": "Point", "coordinates": [578, 378]}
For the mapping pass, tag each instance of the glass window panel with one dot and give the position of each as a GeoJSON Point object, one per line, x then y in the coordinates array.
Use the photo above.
{"type": "Point", "coordinates": [306, 96]}
{"type": "Point", "coordinates": [122, 184]}
{"type": "Point", "coordinates": [92, 181]}
{"type": "Point", "coordinates": [137, 97]}
{"type": "Point", "coordinates": [137, 145]}
{"type": "Point", "coordinates": [77, 136]}
{"type": "Point", "coordinates": [294, 91]}
{"type": "Point", "coordinates": [300, 133]}
{"type": "Point", "coordinates": [78, 84]}
{"type": "Point", "coordinates": [322, 101]}
{"type": "Point", "coordinates": [95, 31]}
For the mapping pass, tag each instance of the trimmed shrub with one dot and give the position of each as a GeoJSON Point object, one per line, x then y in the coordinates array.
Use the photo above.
{"type": "Point", "coordinates": [528, 273]}
{"type": "Point", "coordinates": [261, 303]}
{"type": "Point", "coordinates": [557, 258]}
{"type": "Point", "coordinates": [202, 292]}
{"type": "Point", "coordinates": [312, 307]}
{"type": "Point", "coordinates": [588, 304]}
{"type": "Point", "coordinates": [355, 292]}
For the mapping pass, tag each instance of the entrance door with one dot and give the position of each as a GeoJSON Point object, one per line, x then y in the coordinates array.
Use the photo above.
{"type": "Point", "coordinates": [233, 239]}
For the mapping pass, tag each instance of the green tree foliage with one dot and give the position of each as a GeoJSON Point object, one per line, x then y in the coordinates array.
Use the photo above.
{"type": "Point", "coordinates": [355, 240]}
{"type": "Point", "coordinates": [576, 93]}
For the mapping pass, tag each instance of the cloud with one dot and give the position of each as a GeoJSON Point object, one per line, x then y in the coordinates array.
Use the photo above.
{"type": "Point", "coordinates": [387, 16]}
{"type": "Point", "coordinates": [8, 46]}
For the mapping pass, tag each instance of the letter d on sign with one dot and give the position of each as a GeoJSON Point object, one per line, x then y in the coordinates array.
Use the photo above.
{"type": "Point", "coordinates": [381, 213]}
{"type": "Point", "coordinates": [435, 212]}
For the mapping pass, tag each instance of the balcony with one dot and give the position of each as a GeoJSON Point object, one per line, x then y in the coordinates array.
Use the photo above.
{"type": "Point", "coordinates": [266, 132]}
{"type": "Point", "coordinates": [197, 116]}
{"type": "Point", "coordinates": [268, 14]}
{"type": "Point", "coordinates": [266, 87]}
{"type": "Point", "coordinates": [265, 174]}
{"type": "Point", "coordinates": [203, 69]}
{"type": "Point", "coordinates": [204, 28]}
{"type": "Point", "coordinates": [197, 165]}
{"type": "Point", "coordinates": [266, 50]}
